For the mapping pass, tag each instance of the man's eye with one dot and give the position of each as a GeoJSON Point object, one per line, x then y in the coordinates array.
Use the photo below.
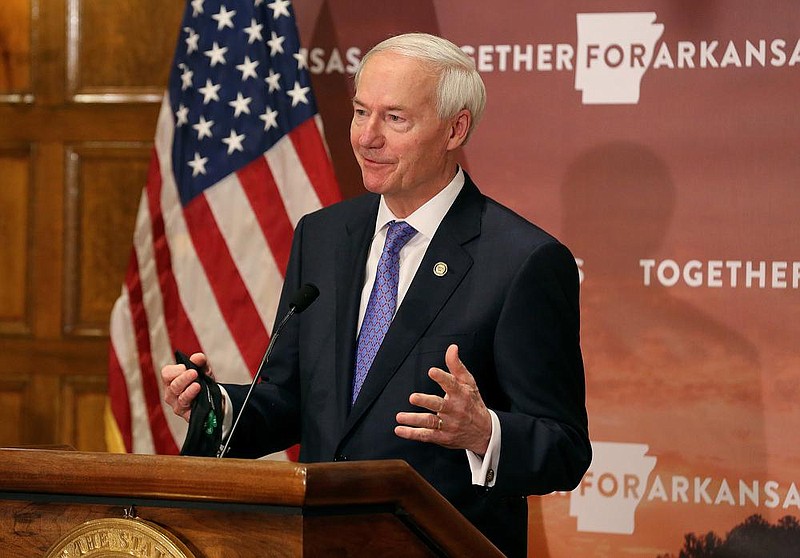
{"type": "Point", "coordinates": [395, 118]}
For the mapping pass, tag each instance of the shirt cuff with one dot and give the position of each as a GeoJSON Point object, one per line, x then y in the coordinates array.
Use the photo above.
{"type": "Point", "coordinates": [227, 417]}
{"type": "Point", "coordinates": [484, 469]}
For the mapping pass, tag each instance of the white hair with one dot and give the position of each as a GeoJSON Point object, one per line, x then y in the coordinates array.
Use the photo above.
{"type": "Point", "coordinates": [460, 85]}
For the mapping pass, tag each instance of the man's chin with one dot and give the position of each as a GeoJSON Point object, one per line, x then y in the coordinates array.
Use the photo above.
{"type": "Point", "coordinates": [375, 184]}
{"type": "Point", "coordinates": [374, 187]}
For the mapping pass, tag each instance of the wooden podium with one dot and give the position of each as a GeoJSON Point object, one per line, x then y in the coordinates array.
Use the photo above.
{"type": "Point", "coordinates": [226, 507]}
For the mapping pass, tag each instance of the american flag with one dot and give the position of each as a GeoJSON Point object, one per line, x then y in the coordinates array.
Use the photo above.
{"type": "Point", "coordinates": [239, 157]}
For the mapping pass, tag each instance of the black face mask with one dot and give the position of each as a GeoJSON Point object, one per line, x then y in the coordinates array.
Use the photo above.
{"type": "Point", "coordinates": [204, 436]}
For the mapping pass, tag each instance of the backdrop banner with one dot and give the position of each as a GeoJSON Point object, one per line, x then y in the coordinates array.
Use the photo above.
{"type": "Point", "coordinates": [660, 141]}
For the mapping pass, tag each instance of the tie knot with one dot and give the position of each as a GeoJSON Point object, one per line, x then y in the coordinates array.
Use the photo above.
{"type": "Point", "coordinates": [398, 234]}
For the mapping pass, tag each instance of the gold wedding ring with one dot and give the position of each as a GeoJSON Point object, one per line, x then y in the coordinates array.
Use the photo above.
{"type": "Point", "coordinates": [439, 426]}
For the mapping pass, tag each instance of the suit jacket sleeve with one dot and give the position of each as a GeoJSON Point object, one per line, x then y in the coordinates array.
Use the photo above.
{"type": "Point", "coordinates": [271, 421]}
{"type": "Point", "coordinates": [545, 443]}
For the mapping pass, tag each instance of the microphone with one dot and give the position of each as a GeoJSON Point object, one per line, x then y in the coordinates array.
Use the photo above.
{"type": "Point", "coordinates": [301, 300]}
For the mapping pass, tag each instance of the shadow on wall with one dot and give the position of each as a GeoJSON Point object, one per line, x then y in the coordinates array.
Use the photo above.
{"type": "Point", "coordinates": [660, 371]}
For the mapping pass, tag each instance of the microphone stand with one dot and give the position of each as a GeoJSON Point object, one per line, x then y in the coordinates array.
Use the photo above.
{"type": "Point", "coordinates": [302, 299]}
{"type": "Point", "coordinates": [292, 310]}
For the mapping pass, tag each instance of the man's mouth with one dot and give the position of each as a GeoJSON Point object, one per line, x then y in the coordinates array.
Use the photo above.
{"type": "Point", "coordinates": [374, 161]}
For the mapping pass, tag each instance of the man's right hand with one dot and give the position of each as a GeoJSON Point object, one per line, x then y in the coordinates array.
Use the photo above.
{"type": "Point", "coordinates": [180, 388]}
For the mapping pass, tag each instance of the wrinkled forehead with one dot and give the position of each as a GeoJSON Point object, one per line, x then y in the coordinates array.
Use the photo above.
{"type": "Point", "coordinates": [390, 75]}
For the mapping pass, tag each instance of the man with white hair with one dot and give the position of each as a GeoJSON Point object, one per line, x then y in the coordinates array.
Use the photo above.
{"type": "Point", "coordinates": [447, 327]}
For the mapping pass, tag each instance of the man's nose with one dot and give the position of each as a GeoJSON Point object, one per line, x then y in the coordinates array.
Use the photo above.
{"type": "Point", "coordinates": [371, 134]}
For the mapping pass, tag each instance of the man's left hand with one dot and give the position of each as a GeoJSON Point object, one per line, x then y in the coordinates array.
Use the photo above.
{"type": "Point", "coordinates": [459, 420]}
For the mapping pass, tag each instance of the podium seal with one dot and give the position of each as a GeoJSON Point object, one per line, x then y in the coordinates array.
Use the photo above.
{"type": "Point", "coordinates": [115, 537]}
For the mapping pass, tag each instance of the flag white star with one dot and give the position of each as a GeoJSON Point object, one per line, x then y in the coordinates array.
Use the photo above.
{"type": "Point", "coordinates": [254, 32]}
{"type": "Point", "coordinates": [234, 142]}
{"type": "Point", "coordinates": [302, 59]}
{"type": "Point", "coordinates": [197, 7]}
{"type": "Point", "coordinates": [279, 8]}
{"type": "Point", "coordinates": [248, 68]}
{"type": "Point", "coordinates": [258, 3]}
{"type": "Point", "coordinates": [209, 92]}
{"type": "Point", "coordinates": [216, 54]}
{"type": "Point", "coordinates": [182, 114]}
{"type": "Point", "coordinates": [270, 118]}
{"type": "Point", "coordinates": [186, 77]}
{"type": "Point", "coordinates": [203, 128]}
{"type": "Point", "coordinates": [240, 105]}
{"type": "Point", "coordinates": [275, 44]}
{"type": "Point", "coordinates": [298, 94]}
{"type": "Point", "coordinates": [272, 80]}
{"type": "Point", "coordinates": [198, 164]}
{"type": "Point", "coordinates": [224, 18]}
{"type": "Point", "coordinates": [191, 40]}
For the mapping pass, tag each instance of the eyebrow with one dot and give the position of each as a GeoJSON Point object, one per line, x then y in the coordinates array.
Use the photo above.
{"type": "Point", "coordinates": [394, 108]}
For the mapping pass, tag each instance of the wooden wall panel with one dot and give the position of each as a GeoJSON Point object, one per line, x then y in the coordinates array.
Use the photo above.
{"type": "Point", "coordinates": [13, 396]}
{"type": "Point", "coordinates": [119, 50]}
{"type": "Point", "coordinates": [82, 406]}
{"type": "Point", "coordinates": [104, 183]}
{"type": "Point", "coordinates": [15, 49]}
{"type": "Point", "coordinates": [15, 202]}
{"type": "Point", "coordinates": [80, 86]}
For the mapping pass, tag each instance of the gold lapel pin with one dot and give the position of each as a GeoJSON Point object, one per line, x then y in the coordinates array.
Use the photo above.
{"type": "Point", "coordinates": [440, 269]}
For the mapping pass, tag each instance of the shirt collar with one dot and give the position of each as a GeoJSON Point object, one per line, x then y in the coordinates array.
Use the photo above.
{"type": "Point", "coordinates": [429, 216]}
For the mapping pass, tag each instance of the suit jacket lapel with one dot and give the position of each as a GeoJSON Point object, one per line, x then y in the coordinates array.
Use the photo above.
{"type": "Point", "coordinates": [350, 263]}
{"type": "Point", "coordinates": [426, 296]}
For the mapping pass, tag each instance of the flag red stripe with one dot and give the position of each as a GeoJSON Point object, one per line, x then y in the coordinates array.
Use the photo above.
{"type": "Point", "coordinates": [265, 198]}
{"type": "Point", "coordinates": [118, 392]}
{"type": "Point", "coordinates": [293, 453]}
{"type": "Point", "coordinates": [162, 438]}
{"type": "Point", "coordinates": [181, 334]}
{"type": "Point", "coordinates": [310, 149]}
{"type": "Point", "coordinates": [234, 300]}
{"type": "Point", "coordinates": [118, 397]}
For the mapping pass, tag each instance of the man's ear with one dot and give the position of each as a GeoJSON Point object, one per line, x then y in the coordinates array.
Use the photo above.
{"type": "Point", "coordinates": [459, 128]}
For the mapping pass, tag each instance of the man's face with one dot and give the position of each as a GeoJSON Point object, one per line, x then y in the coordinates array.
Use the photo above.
{"type": "Point", "coordinates": [398, 139]}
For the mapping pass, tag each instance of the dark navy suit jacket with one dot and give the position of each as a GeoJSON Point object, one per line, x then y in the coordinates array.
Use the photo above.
{"type": "Point", "coordinates": [509, 300]}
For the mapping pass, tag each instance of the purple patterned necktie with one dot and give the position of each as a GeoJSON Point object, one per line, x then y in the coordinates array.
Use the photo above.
{"type": "Point", "coordinates": [382, 301]}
